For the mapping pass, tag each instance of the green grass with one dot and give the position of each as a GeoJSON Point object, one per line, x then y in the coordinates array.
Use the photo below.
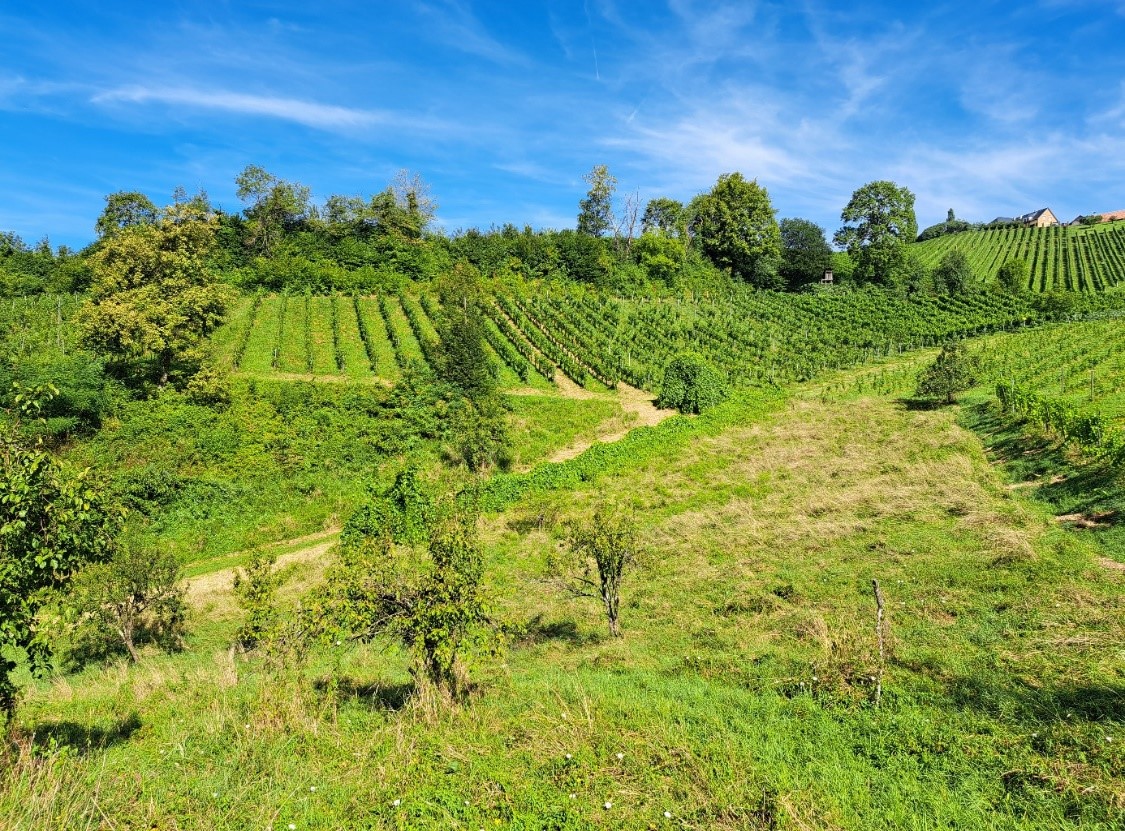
{"type": "Point", "coordinates": [386, 363]}
{"type": "Point", "coordinates": [1086, 258]}
{"type": "Point", "coordinates": [740, 696]}
{"type": "Point", "coordinates": [357, 364]}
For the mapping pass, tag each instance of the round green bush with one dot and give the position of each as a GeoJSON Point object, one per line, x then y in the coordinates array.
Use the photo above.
{"type": "Point", "coordinates": [691, 384]}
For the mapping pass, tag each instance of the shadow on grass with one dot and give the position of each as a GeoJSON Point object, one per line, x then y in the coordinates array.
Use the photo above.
{"type": "Point", "coordinates": [921, 403]}
{"type": "Point", "coordinates": [539, 631]}
{"type": "Point", "coordinates": [389, 697]}
{"type": "Point", "coordinates": [1066, 482]}
{"type": "Point", "coordinates": [81, 737]}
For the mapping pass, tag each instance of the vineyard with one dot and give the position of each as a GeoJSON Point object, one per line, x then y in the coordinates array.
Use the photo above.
{"type": "Point", "coordinates": [754, 338]}
{"type": "Point", "coordinates": [1086, 258]}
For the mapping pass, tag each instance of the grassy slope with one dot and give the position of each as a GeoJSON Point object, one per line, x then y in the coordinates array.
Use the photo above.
{"type": "Point", "coordinates": [740, 696]}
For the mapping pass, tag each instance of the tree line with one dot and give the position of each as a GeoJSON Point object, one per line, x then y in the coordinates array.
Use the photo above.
{"type": "Point", "coordinates": [282, 240]}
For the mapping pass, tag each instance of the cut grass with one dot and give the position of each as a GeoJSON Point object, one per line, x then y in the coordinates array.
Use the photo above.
{"type": "Point", "coordinates": [740, 696]}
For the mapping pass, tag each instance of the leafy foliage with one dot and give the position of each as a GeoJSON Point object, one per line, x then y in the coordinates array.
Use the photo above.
{"type": "Point", "coordinates": [691, 384]}
{"type": "Point", "coordinates": [595, 559]}
{"type": "Point", "coordinates": [595, 216]}
{"type": "Point", "coordinates": [153, 293]}
{"type": "Point", "coordinates": [805, 253]}
{"type": "Point", "coordinates": [428, 596]}
{"type": "Point", "coordinates": [735, 227]}
{"type": "Point", "coordinates": [1013, 275]}
{"type": "Point", "coordinates": [136, 597]}
{"type": "Point", "coordinates": [953, 274]}
{"type": "Point", "coordinates": [53, 520]}
{"type": "Point", "coordinates": [878, 221]}
{"type": "Point", "coordinates": [954, 371]}
{"type": "Point", "coordinates": [255, 589]}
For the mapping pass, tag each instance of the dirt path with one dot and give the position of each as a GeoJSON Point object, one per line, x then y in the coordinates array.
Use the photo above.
{"type": "Point", "coordinates": [207, 589]}
{"type": "Point", "coordinates": [638, 409]}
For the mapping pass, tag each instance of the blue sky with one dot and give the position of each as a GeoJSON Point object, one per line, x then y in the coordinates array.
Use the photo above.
{"type": "Point", "coordinates": [988, 108]}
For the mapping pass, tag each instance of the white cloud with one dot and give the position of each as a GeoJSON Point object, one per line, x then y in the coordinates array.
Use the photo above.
{"type": "Point", "coordinates": [309, 113]}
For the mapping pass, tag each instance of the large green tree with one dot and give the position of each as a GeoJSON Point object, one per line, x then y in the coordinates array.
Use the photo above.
{"type": "Point", "coordinates": [53, 520]}
{"type": "Point", "coordinates": [805, 253]}
{"type": "Point", "coordinates": [734, 225]}
{"type": "Point", "coordinates": [152, 296]}
{"type": "Point", "coordinates": [878, 222]}
{"type": "Point", "coordinates": [595, 212]}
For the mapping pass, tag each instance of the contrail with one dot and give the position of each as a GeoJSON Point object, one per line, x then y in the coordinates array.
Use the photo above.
{"type": "Point", "coordinates": [593, 46]}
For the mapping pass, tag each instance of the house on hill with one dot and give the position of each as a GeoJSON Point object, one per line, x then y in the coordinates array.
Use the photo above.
{"type": "Point", "coordinates": [1042, 218]}
{"type": "Point", "coordinates": [1112, 216]}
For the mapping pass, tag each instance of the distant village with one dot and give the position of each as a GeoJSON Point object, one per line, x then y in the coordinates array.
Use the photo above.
{"type": "Point", "coordinates": [1045, 218]}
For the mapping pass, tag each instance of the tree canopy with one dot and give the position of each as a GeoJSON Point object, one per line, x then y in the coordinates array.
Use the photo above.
{"type": "Point", "coordinates": [153, 294]}
{"type": "Point", "coordinates": [805, 253]}
{"type": "Point", "coordinates": [878, 221]}
{"type": "Point", "coordinates": [735, 227]}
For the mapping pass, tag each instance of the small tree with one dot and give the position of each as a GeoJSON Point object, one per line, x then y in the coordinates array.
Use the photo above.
{"type": "Point", "coordinates": [255, 589]}
{"type": "Point", "coordinates": [1013, 276]}
{"type": "Point", "coordinates": [428, 596]}
{"type": "Point", "coordinates": [953, 274]}
{"type": "Point", "coordinates": [137, 596]}
{"type": "Point", "coordinates": [53, 520]}
{"type": "Point", "coordinates": [691, 384]}
{"type": "Point", "coordinates": [595, 558]}
{"type": "Point", "coordinates": [954, 371]}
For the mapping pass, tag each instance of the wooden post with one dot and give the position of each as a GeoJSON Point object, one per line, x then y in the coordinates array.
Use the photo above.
{"type": "Point", "coordinates": [879, 635]}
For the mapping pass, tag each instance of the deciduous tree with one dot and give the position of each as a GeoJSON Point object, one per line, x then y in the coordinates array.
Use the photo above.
{"type": "Point", "coordinates": [805, 253]}
{"type": "Point", "coordinates": [152, 294]}
{"type": "Point", "coordinates": [595, 215]}
{"type": "Point", "coordinates": [735, 227]}
{"type": "Point", "coordinates": [879, 221]}
{"type": "Point", "coordinates": [53, 520]}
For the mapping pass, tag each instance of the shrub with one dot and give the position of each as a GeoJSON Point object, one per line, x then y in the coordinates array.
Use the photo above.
{"type": "Point", "coordinates": [691, 384]}
{"type": "Point", "coordinates": [954, 371]}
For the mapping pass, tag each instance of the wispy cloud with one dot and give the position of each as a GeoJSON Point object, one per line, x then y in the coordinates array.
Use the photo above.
{"type": "Point", "coordinates": [308, 113]}
{"type": "Point", "coordinates": [454, 24]}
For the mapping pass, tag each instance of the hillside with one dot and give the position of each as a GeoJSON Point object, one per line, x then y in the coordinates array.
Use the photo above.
{"type": "Point", "coordinates": [1080, 258]}
{"type": "Point", "coordinates": [740, 697]}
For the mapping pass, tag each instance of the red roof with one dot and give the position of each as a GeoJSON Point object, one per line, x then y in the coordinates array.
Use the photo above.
{"type": "Point", "coordinates": [1108, 216]}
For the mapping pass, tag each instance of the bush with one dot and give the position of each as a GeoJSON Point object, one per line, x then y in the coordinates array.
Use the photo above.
{"type": "Point", "coordinates": [954, 371]}
{"type": "Point", "coordinates": [691, 384]}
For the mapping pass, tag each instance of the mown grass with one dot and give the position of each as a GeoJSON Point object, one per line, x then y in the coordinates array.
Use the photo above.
{"type": "Point", "coordinates": [740, 697]}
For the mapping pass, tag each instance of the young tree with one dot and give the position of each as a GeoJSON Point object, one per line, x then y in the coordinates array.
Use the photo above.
{"type": "Point", "coordinates": [879, 221]}
{"type": "Point", "coordinates": [734, 226]}
{"type": "Point", "coordinates": [594, 561]}
{"type": "Point", "coordinates": [595, 216]}
{"type": "Point", "coordinates": [1013, 276]}
{"type": "Point", "coordinates": [954, 371]}
{"type": "Point", "coordinates": [953, 274]}
{"type": "Point", "coordinates": [428, 597]}
{"type": "Point", "coordinates": [53, 520]}
{"type": "Point", "coordinates": [137, 596]}
{"type": "Point", "coordinates": [255, 588]}
{"type": "Point", "coordinates": [152, 294]}
{"type": "Point", "coordinates": [805, 253]}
